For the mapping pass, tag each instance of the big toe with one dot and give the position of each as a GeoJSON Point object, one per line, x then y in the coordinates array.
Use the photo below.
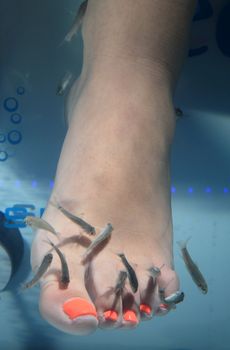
{"type": "Point", "coordinates": [70, 310]}
{"type": "Point", "coordinates": [67, 308]}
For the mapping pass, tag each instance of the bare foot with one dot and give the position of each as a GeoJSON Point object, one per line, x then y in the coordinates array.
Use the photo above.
{"type": "Point", "coordinates": [114, 168]}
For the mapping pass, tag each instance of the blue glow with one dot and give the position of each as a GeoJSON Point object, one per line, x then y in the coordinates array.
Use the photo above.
{"type": "Point", "coordinates": [190, 190]}
{"type": "Point", "coordinates": [10, 104]}
{"type": "Point", "coordinates": [14, 137]}
{"type": "Point", "coordinates": [42, 211]}
{"type": "Point", "coordinates": [51, 183]}
{"type": "Point", "coordinates": [226, 190]}
{"type": "Point", "coordinates": [173, 189]}
{"type": "Point", "coordinates": [3, 156]}
{"type": "Point", "coordinates": [208, 190]}
{"type": "Point", "coordinates": [2, 137]}
{"type": "Point", "coordinates": [17, 183]}
{"type": "Point", "coordinates": [16, 118]}
{"type": "Point", "coordinates": [34, 183]}
{"type": "Point", "coordinates": [20, 90]}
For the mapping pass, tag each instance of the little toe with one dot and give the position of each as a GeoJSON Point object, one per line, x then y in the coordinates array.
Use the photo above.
{"type": "Point", "coordinates": [151, 302]}
{"type": "Point", "coordinates": [167, 284]}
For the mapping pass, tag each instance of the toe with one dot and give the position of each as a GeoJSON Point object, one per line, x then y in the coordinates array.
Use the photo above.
{"type": "Point", "coordinates": [100, 281]}
{"type": "Point", "coordinates": [70, 311]}
{"type": "Point", "coordinates": [115, 309]}
{"type": "Point", "coordinates": [131, 311]}
{"type": "Point", "coordinates": [151, 303]}
{"type": "Point", "coordinates": [168, 281]}
{"type": "Point", "coordinates": [147, 286]}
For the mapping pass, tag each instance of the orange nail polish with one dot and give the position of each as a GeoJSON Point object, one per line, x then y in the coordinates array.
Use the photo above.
{"type": "Point", "coordinates": [145, 308]}
{"type": "Point", "coordinates": [110, 315]}
{"type": "Point", "coordinates": [78, 307]}
{"type": "Point", "coordinates": [130, 316]}
{"type": "Point", "coordinates": [164, 306]}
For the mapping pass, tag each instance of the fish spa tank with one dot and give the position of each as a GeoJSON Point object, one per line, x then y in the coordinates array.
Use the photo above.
{"type": "Point", "coordinates": [32, 130]}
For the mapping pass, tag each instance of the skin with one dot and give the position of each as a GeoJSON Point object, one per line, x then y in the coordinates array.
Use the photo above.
{"type": "Point", "coordinates": [114, 164]}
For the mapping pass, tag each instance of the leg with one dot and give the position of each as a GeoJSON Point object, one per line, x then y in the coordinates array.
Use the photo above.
{"type": "Point", "coordinates": [114, 164]}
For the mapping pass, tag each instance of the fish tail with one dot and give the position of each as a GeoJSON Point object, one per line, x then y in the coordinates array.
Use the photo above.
{"type": "Point", "coordinates": [182, 244]}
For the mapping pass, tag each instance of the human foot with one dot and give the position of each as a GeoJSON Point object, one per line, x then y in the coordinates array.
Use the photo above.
{"type": "Point", "coordinates": [114, 168]}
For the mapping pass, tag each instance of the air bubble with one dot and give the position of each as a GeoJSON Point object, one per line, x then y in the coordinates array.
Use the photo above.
{"type": "Point", "coordinates": [10, 104]}
{"type": "Point", "coordinates": [21, 90]}
{"type": "Point", "coordinates": [3, 156]}
{"type": "Point", "coordinates": [2, 137]}
{"type": "Point", "coordinates": [14, 137]}
{"type": "Point", "coordinates": [16, 118]}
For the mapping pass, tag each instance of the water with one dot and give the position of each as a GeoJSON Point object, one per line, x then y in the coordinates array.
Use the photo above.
{"type": "Point", "coordinates": [30, 110]}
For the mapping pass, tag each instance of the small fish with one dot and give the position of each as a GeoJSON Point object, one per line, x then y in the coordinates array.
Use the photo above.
{"type": "Point", "coordinates": [104, 234]}
{"type": "Point", "coordinates": [192, 267]}
{"type": "Point", "coordinates": [174, 298]}
{"type": "Point", "coordinates": [131, 273]}
{"type": "Point", "coordinates": [64, 83]}
{"type": "Point", "coordinates": [40, 272]}
{"type": "Point", "coordinates": [121, 282]}
{"type": "Point", "coordinates": [37, 223]}
{"type": "Point", "coordinates": [77, 22]}
{"type": "Point", "coordinates": [65, 279]}
{"type": "Point", "coordinates": [155, 271]}
{"type": "Point", "coordinates": [87, 227]}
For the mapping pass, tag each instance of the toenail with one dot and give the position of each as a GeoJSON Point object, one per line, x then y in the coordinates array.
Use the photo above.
{"type": "Point", "coordinates": [130, 316]}
{"type": "Point", "coordinates": [145, 308]}
{"type": "Point", "coordinates": [110, 315]}
{"type": "Point", "coordinates": [164, 306]}
{"type": "Point", "coordinates": [78, 307]}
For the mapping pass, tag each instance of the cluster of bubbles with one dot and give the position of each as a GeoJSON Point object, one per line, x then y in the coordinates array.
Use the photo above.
{"type": "Point", "coordinates": [14, 136]}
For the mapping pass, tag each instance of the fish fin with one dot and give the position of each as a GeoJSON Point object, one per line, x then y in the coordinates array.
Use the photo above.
{"type": "Point", "coordinates": [182, 244]}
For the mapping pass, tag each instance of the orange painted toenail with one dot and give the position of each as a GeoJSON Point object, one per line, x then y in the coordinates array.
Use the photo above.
{"type": "Point", "coordinates": [110, 315]}
{"type": "Point", "coordinates": [164, 306]}
{"type": "Point", "coordinates": [78, 307]}
{"type": "Point", "coordinates": [130, 316]}
{"type": "Point", "coordinates": [145, 308]}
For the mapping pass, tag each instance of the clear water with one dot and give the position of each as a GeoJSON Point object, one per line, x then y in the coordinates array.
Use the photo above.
{"type": "Point", "coordinates": [30, 143]}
